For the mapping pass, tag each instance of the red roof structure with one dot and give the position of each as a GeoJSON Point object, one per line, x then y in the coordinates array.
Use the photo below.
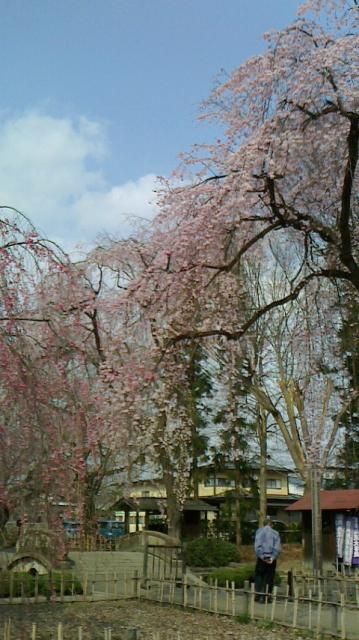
{"type": "Point", "coordinates": [336, 500]}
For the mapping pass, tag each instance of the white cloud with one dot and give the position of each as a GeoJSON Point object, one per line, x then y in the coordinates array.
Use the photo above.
{"type": "Point", "coordinates": [50, 168]}
{"type": "Point", "coordinates": [101, 209]}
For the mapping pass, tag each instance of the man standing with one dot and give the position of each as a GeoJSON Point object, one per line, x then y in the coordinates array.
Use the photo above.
{"type": "Point", "coordinates": [267, 548]}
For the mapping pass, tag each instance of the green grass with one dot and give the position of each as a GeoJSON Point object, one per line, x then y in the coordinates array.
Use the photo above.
{"type": "Point", "coordinates": [238, 575]}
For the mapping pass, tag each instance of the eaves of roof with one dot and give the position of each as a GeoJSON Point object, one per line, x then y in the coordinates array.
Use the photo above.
{"type": "Point", "coordinates": [336, 500]}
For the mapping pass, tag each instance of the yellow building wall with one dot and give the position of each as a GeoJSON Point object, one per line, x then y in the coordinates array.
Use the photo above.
{"type": "Point", "coordinates": [148, 491]}
{"type": "Point", "coordinates": [276, 479]}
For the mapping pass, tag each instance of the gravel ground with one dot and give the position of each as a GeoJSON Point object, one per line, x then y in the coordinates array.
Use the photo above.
{"type": "Point", "coordinates": [152, 622]}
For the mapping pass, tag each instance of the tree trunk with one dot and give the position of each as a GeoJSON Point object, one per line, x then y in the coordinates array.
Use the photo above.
{"type": "Point", "coordinates": [89, 506]}
{"type": "Point", "coordinates": [317, 553]}
{"type": "Point", "coordinates": [262, 480]}
{"type": "Point", "coordinates": [174, 513]}
{"type": "Point", "coordinates": [238, 508]}
{"type": "Point", "coordinates": [174, 519]}
{"type": "Point", "coordinates": [195, 481]}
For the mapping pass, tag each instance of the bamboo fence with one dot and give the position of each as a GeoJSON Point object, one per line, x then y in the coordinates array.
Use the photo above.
{"type": "Point", "coordinates": [311, 607]}
{"type": "Point", "coordinates": [67, 587]}
{"type": "Point", "coordinates": [60, 632]}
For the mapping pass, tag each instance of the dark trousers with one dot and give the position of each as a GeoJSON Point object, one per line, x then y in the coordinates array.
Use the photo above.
{"type": "Point", "coordinates": [263, 576]}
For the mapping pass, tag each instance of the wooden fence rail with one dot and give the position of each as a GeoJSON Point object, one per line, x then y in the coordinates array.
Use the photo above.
{"type": "Point", "coordinates": [163, 562]}
{"type": "Point", "coordinates": [330, 585]}
{"type": "Point", "coordinates": [312, 613]}
{"type": "Point", "coordinates": [64, 587]}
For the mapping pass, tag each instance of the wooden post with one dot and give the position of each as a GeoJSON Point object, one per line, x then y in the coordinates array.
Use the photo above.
{"type": "Point", "coordinates": [233, 594]}
{"type": "Point", "coordinates": [274, 602]}
{"type": "Point", "coordinates": [227, 596]}
{"type": "Point", "coordinates": [162, 583]}
{"type": "Point", "coordinates": [80, 633]}
{"type": "Point", "coordinates": [33, 631]}
{"type": "Point", "coordinates": [246, 597]}
{"type": "Point", "coordinates": [216, 596]}
{"type": "Point", "coordinates": [334, 618]}
{"type": "Point", "coordinates": [342, 616]}
{"type": "Point", "coordinates": [286, 598]}
{"type": "Point", "coordinates": [266, 598]}
{"type": "Point", "coordinates": [59, 631]}
{"type": "Point", "coordinates": [185, 595]}
{"type": "Point", "coordinates": [310, 609]}
{"type": "Point", "coordinates": [195, 594]}
{"type": "Point", "coordinates": [319, 613]}
{"type": "Point", "coordinates": [251, 606]}
{"type": "Point", "coordinates": [295, 608]}
{"type": "Point", "coordinates": [7, 630]}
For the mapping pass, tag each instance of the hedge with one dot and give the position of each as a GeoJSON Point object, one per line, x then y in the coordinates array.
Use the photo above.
{"type": "Point", "coordinates": [24, 584]}
{"type": "Point", "coordinates": [210, 552]}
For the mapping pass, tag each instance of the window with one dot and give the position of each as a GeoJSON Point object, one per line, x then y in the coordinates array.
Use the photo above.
{"type": "Point", "coordinates": [133, 519]}
{"type": "Point", "coordinates": [274, 483]}
{"type": "Point", "coordinates": [218, 482]}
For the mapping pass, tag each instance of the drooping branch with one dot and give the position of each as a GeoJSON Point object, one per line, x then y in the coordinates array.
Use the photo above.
{"type": "Point", "coordinates": [265, 309]}
{"type": "Point", "coordinates": [346, 250]}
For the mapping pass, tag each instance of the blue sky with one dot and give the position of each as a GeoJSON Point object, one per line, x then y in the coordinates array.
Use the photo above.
{"type": "Point", "coordinates": [99, 96]}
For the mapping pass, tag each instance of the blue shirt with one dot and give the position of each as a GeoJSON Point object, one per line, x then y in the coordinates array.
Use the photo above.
{"type": "Point", "coordinates": [267, 543]}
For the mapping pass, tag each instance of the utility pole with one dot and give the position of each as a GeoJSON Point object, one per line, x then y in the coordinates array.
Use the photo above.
{"type": "Point", "coordinates": [317, 554]}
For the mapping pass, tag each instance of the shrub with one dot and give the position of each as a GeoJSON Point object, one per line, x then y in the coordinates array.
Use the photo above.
{"type": "Point", "coordinates": [237, 575]}
{"type": "Point", "coordinates": [293, 533]}
{"type": "Point", "coordinates": [71, 584]}
{"type": "Point", "coordinates": [210, 552]}
{"type": "Point", "coordinates": [24, 584]}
